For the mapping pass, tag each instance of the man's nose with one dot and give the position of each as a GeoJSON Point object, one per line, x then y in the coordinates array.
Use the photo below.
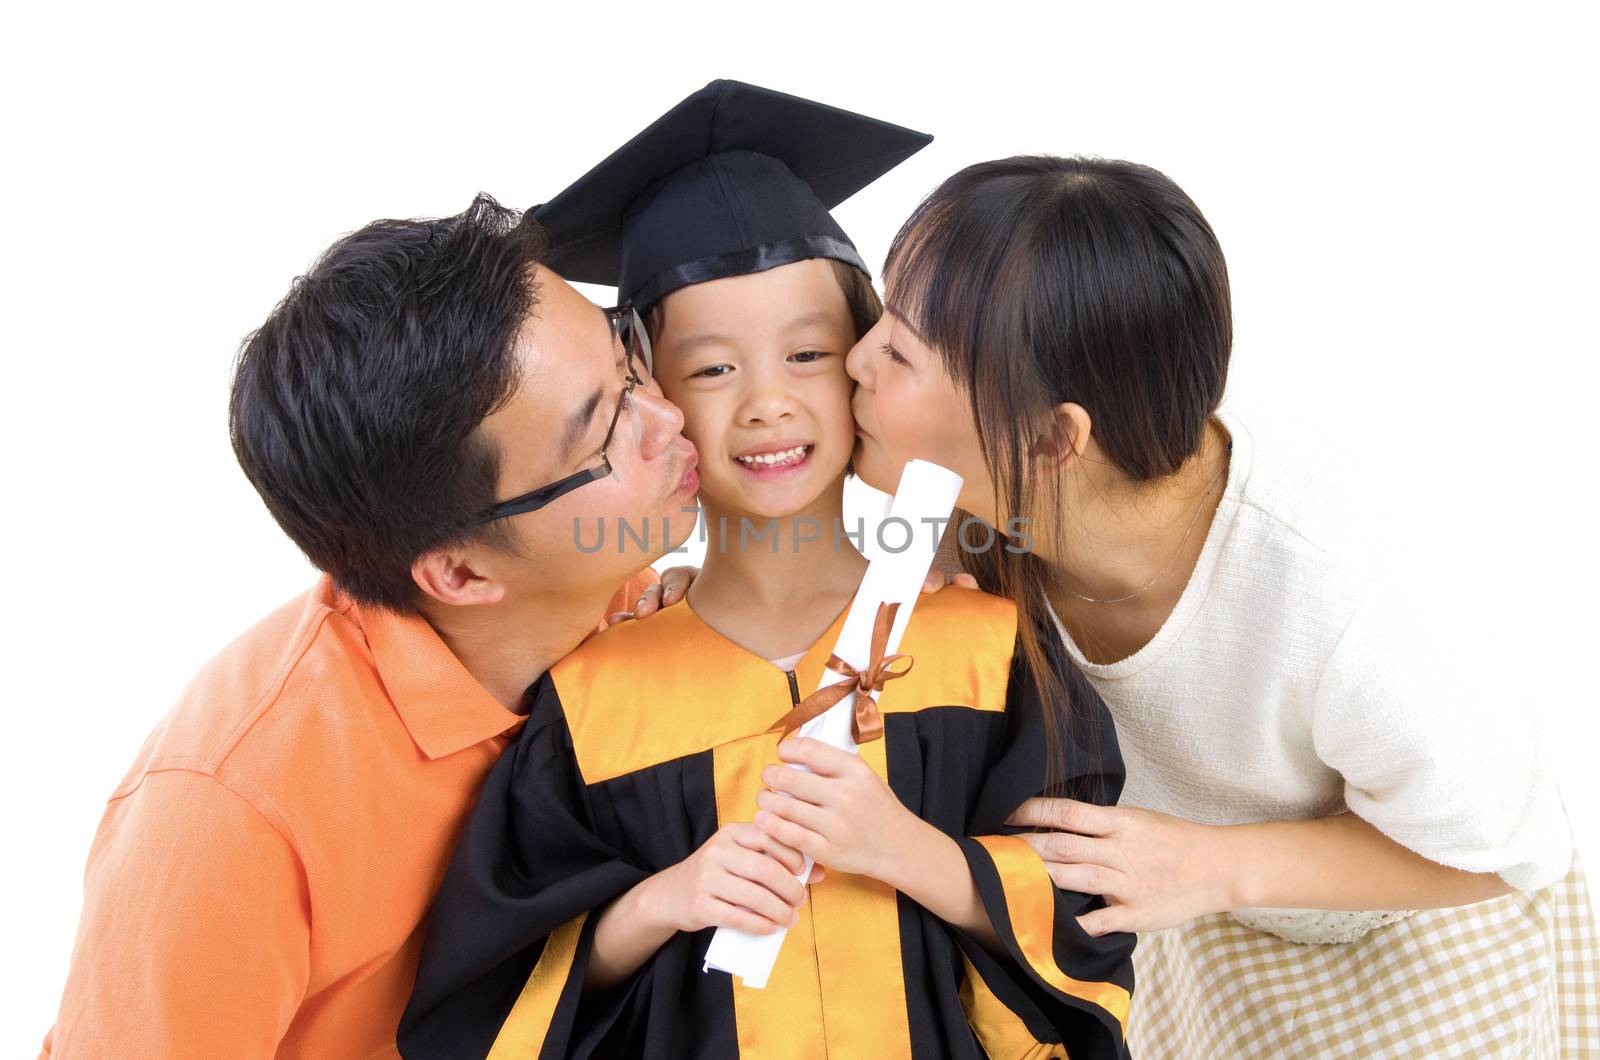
{"type": "Point", "coordinates": [649, 382]}
{"type": "Point", "coordinates": [661, 422]}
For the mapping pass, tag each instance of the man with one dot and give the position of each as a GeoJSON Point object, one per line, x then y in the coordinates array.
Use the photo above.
{"type": "Point", "coordinates": [437, 421]}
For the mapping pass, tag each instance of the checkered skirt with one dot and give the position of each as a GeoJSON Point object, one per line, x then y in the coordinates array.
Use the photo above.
{"type": "Point", "coordinates": [1517, 976]}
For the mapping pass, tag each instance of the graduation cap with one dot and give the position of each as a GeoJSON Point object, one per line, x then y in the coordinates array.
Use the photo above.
{"type": "Point", "coordinates": [735, 179]}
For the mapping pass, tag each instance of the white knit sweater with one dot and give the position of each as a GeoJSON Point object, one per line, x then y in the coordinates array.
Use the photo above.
{"type": "Point", "coordinates": [1288, 684]}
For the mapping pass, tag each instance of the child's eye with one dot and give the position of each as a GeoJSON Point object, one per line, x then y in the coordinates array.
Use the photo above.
{"type": "Point", "coordinates": [714, 371]}
{"type": "Point", "coordinates": [808, 356]}
{"type": "Point", "coordinates": [893, 354]}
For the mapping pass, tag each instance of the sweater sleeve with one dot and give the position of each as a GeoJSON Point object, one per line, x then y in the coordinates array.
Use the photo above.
{"type": "Point", "coordinates": [1433, 753]}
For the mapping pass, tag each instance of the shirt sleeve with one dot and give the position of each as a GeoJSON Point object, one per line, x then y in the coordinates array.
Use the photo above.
{"type": "Point", "coordinates": [510, 933]}
{"type": "Point", "coordinates": [1434, 753]}
{"type": "Point", "coordinates": [1056, 984]}
{"type": "Point", "coordinates": [195, 935]}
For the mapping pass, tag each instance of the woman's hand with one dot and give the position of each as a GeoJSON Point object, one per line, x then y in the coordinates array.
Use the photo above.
{"type": "Point", "coordinates": [1154, 871]}
{"type": "Point", "coordinates": [938, 579]}
{"type": "Point", "coordinates": [841, 814]}
{"type": "Point", "coordinates": [672, 587]}
{"type": "Point", "coordinates": [740, 878]}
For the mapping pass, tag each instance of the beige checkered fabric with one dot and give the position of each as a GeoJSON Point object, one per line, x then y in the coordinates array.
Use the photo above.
{"type": "Point", "coordinates": [1516, 977]}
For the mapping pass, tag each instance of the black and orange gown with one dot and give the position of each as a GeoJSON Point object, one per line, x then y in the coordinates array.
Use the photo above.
{"type": "Point", "coordinates": [652, 734]}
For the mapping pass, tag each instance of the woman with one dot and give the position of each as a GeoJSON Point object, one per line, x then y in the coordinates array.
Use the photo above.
{"type": "Point", "coordinates": [1058, 331]}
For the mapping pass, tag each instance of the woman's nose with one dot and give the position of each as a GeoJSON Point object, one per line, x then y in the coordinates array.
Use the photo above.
{"type": "Point", "coordinates": [858, 362]}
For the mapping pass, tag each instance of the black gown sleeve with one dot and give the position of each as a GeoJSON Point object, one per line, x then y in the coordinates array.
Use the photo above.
{"type": "Point", "coordinates": [1063, 984]}
{"type": "Point", "coordinates": [510, 932]}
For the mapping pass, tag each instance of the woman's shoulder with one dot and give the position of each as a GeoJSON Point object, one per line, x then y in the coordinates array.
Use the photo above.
{"type": "Point", "coordinates": [1297, 520]}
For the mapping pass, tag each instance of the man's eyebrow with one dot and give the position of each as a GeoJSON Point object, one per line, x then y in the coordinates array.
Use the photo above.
{"type": "Point", "coordinates": [578, 423]}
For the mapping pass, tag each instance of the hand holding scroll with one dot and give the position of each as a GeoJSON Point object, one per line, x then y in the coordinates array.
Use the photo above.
{"type": "Point", "coordinates": [740, 878]}
{"type": "Point", "coordinates": [841, 814]}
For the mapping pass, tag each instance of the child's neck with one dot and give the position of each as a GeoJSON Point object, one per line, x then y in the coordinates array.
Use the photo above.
{"type": "Point", "coordinates": [776, 593]}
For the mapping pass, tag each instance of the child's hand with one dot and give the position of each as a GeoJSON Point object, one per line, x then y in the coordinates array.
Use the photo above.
{"type": "Point", "coordinates": [740, 878]}
{"type": "Point", "coordinates": [841, 814]}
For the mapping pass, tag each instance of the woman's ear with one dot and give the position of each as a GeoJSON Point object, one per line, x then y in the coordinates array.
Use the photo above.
{"type": "Point", "coordinates": [1063, 437]}
{"type": "Point", "coordinates": [450, 577]}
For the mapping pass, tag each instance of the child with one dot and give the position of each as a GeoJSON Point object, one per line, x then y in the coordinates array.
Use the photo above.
{"type": "Point", "coordinates": [638, 809]}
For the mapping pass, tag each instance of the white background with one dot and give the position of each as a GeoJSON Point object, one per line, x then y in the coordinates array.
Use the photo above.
{"type": "Point", "coordinates": [1406, 195]}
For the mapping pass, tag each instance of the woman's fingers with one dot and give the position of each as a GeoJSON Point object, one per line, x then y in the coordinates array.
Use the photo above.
{"type": "Point", "coordinates": [1071, 848]}
{"type": "Point", "coordinates": [938, 579]}
{"type": "Point", "coordinates": [1086, 879]}
{"type": "Point", "coordinates": [1105, 921]}
{"type": "Point", "coordinates": [1066, 815]}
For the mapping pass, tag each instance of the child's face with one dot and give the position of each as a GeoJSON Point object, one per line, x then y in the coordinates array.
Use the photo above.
{"type": "Point", "coordinates": [756, 363]}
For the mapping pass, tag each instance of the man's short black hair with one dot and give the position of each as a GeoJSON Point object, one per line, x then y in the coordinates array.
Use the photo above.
{"type": "Point", "coordinates": [356, 406]}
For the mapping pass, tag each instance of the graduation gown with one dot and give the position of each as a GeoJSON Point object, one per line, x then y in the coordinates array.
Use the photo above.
{"type": "Point", "coordinates": [644, 740]}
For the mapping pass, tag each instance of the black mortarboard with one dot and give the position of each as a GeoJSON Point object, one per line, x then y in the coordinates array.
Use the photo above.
{"type": "Point", "coordinates": [735, 179]}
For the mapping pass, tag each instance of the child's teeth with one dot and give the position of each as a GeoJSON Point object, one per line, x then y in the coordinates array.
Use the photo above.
{"type": "Point", "coordinates": [775, 458]}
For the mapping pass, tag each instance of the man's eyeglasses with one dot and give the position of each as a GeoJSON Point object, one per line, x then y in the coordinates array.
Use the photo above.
{"type": "Point", "coordinates": [628, 328]}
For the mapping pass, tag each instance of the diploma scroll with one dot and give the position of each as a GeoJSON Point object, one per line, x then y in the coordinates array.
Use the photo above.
{"type": "Point", "coordinates": [919, 513]}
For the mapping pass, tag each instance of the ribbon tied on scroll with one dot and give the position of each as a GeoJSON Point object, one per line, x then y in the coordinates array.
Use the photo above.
{"type": "Point", "coordinates": [867, 724]}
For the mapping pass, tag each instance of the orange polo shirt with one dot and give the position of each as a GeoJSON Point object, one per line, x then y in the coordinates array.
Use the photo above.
{"type": "Point", "coordinates": [257, 885]}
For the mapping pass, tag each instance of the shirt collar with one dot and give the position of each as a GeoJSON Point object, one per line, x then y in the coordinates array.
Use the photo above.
{"type": "Point", "coordinates": [442, 706]}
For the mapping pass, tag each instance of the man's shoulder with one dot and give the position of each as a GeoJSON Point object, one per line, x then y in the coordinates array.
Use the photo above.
{"type": "Point", "coordinates": [266, 668]}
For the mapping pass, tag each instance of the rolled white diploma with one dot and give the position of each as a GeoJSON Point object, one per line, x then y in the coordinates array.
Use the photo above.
{"type": "Point", "coordinates": [919, 512]}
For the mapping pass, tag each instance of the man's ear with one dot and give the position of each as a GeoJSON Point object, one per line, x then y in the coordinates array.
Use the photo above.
{"type": "Point", "coordinates": [450, 577]}
{"type": "Point", "coordinates": [1063, 437]}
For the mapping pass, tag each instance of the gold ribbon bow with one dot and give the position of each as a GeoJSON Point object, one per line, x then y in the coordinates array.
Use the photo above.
{"type": "Point", "coordinates": [867, 724]}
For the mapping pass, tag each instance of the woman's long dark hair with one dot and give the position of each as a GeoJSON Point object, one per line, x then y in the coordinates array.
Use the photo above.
{"type": "Point", "coordinates": [1042, 280]}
